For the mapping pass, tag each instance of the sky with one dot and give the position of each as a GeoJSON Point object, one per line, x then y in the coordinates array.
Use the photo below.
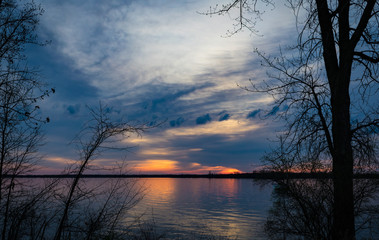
{"type": "Point", "coordinates": [158, 62]}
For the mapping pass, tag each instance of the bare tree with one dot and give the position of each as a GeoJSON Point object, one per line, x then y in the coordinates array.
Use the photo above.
{"type": "Point", "coordinates": [100, 134]}
{"type": "Point", "coordinates": [20, 120]}
{"type": "Point", "coordinates": [328, 83]}
{"type": "Point", "coordinates": [29, 209]}
{"type": "Point", "coordinates": [301, 209]}
{"type": "Point", "coordinates": [304, 209]}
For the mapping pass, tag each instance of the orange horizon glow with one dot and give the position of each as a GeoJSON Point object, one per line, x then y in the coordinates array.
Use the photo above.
{"type": "Point", "coordinates": [57, 165]}
{"type": "Point", "coordinates": [165, 166]}
{"type": "Point", "coordinates": [230, 171]}
{"type": "Point", "coordinates": [156, 165]}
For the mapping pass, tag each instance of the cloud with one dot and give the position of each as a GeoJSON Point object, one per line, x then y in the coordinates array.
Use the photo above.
{"type": "Point", "coordinates": [228, 128]}
{"type": "Point", "coordinates": [177, 122]}
{"type": "Point", "coordinates": [273, 111]}
{"type": "Point", "coordinates": [197, 168]}
{"type": "Point", "coordinates": [161, 101]}
{"type": "Point", "coordinates": [253, 114]}
{"type": "Point", "coordinates": [190, 142]}
{"type": "Point", "coordinates": [73, 109]}
{"type": "Point", "coordinates": [203, 119]}
{"type": "Point", "coordinates": [157, 166]}
{"type": "Point", "coordinates": [120, 46]}
{"type": "Point", "coordinates": [224, 117]}
{"type": "Point", "coordinates": [166, 151]}
{"type": "Point", "coordinates": [157, 60]}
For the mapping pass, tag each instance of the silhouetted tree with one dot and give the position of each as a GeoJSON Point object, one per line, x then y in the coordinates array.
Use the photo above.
{"type": "Point", "coordinates": [328, 83]}
{"type": "Point", "coordinates": [33, 209]}
{"type": "Point", "coordinates": [100, 133]}
{"type": "Point", "coordinates": [303, 209]}
{"type": "Point", "coordinates": [20, 92]}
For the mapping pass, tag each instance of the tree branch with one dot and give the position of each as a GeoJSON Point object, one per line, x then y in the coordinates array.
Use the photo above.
{"type": "Point", "coordinates": [366, 57]}
{"type": "Point", "coordinates": [362, 23]}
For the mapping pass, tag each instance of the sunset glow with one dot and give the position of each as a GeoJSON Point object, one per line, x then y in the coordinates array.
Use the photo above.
{"type": "Point", "coordinates": [230, 171]}
{"type": "Point", "coordinates": [156, 165]}
{"type": "Point", "coordinates": [189, 119]}
{"type": "Point", "coordinates": [165, 166]}
{"type": "Point", "coordinates": [151, 70]}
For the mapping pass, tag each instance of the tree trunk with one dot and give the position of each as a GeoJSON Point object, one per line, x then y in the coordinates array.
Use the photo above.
{"type": "Point", "coordinates": [338, 71]}
{"type": "Point", "coordinates": [343, 214]}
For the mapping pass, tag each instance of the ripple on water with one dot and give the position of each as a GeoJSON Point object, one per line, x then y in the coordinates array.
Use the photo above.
{"type": "Point", "coordinates": [234, 208]}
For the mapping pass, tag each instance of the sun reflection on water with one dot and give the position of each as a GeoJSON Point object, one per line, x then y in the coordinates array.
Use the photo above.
{"type": "Point", "coordinates": [234, 208]}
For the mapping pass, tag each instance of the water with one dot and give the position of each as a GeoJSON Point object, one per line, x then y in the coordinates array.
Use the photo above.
{"type": "Point", "coordinates": [197, 208]}
{"type": "Point", "coordinates": [191, 207]}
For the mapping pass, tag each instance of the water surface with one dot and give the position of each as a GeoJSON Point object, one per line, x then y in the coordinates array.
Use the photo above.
{"type": "Point", "coordinates": [189, 207]}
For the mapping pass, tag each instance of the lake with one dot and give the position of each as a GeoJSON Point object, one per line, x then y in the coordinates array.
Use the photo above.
{"type": "Point", "coordinates": [192, 208]}
{"type": "Point", "coordinates": [200, 207]}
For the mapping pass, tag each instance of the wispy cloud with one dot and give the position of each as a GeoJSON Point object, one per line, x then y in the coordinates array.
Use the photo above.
{"type": "Point", "coordinates": [123, 45]}
{"type": "Point", "coordinates": [229, 128]}
{"type": "Point", "coordinates": [155, 61]}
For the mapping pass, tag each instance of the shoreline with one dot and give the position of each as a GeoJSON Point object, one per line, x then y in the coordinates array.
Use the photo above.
{"type": "Point", "coordinates": [258, 175]}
